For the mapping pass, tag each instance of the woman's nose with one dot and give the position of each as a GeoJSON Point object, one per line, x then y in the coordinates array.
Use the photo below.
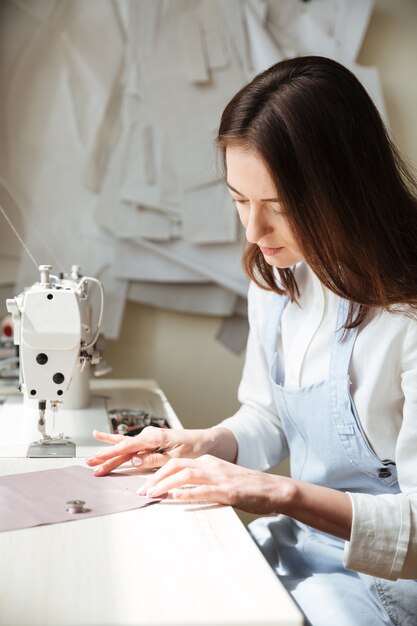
{"type": "Point", "coordinates": [257, 225]}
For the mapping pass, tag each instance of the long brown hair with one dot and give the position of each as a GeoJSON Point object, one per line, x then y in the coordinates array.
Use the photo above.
{"type": "Point", "coordinates": [349, 198]}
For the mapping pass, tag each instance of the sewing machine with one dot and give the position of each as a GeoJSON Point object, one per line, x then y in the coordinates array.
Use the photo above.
{"type": "Point", "coordinates": [52, 325]}
{"type": "Point", "coordinates": [55, 413]}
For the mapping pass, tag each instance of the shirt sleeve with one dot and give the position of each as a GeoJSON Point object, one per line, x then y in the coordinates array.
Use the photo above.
{"type": "Point", "coordinates": [383, 539]}
{"type": "Point", "coordinates": [256, 425]}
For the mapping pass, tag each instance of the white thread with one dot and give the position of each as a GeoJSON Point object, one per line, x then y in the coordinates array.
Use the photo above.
{"type": "Point", "coordinates": [55, 261]}
{"type": "Point", "coordinates": [18, 236]}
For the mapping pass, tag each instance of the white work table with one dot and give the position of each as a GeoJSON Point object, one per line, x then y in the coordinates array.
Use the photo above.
{"type": "Point", "coordinates": [168, 564]}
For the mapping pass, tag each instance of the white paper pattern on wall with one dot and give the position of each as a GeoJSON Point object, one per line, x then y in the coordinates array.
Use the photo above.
{"type": "Point", "coordinates": [109, 113]}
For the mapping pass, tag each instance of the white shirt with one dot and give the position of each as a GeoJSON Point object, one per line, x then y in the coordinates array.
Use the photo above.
{"type": "Point", "coordinates": [383, 371]}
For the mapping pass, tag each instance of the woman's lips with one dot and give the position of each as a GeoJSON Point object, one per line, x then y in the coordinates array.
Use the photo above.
{"type": "Point", "coordinates": [269, 251]}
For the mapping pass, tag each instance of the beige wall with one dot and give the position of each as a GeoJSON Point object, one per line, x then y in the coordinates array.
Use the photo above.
{"type": "Point", "coordinates": [198, 375]}
{"type": "Point", "coordinates": [391, 46]}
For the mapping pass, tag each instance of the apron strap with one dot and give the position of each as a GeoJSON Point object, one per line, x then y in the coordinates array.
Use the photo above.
{"type": "Point", "coordinates": [343, 342]}
{"type": "Point", "coordinates": [272, 322]}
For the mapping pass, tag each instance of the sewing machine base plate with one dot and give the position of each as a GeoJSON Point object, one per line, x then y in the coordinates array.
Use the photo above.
{"type": "Point", "coordinates": [64, 449]}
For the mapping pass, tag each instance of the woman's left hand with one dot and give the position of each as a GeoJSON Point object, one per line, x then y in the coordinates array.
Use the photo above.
{"type": "Point", "coordinates": [213, 480]}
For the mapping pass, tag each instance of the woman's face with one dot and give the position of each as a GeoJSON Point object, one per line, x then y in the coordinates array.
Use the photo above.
{"type": "Point", "coordinates": [262, 214]}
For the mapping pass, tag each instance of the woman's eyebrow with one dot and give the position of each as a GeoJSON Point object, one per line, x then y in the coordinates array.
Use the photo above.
{"type": "Point", "coordinates": [235, 190]}
{"type": "Point", "coordinates": [243, 195]}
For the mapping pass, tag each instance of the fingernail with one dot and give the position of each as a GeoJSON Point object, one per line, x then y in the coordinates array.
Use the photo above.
{"type": "Point", "coordinates": [136, 460]}
{"type": "Point", "coordinates": [141, 491]}
{"type": "Point", "coordinates": [149, 493]}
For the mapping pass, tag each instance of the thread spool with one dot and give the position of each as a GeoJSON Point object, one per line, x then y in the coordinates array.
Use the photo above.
{"type": "Point", "coordinates": [76, 506]}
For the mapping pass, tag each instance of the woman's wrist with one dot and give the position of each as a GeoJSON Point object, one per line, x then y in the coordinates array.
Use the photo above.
{"type": "Point", "coordinates": [221, 442]}
{"type": "Point", "coordinates": [283, 494]}
{"type": "Point", "coordinates": [325, 509]}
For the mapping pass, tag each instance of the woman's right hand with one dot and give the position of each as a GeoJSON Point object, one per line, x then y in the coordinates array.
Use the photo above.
{"type": "Point", "coordinates": [152, 448]}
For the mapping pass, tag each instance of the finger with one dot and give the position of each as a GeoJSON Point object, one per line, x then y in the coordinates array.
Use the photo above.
{"type": "Point", "coordinates": [129, 445]}
{"type": "Point", "coordinates": [150, 438]}
{"type": "Point", "coordinates": [110, 465]}
{"type": "Point", "coordinates": [98, 459]}
{"type": "Point", "coordinates": [169, 468]}
{"type": "Point", "coordinates": [108, 437]}
{"type": "Point", "coordinates": [150, 461]}
{"type": "Point", "coordinates": [186, 476]}
{"type": "Point", "coordinates": [203, 493]}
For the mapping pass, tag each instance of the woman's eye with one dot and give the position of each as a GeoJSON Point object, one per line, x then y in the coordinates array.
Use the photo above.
{"type": "Point", "coordinates": [276, 209]}
{"type": "Point", "coordinates": [239, 202]}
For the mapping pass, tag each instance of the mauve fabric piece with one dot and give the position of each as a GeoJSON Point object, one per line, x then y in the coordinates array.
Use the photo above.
{"type": "Point", "coordinates": [38, 498]}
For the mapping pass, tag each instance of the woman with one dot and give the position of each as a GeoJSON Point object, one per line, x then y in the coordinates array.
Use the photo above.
{"type": "Point", "coordinates": [330, 377]}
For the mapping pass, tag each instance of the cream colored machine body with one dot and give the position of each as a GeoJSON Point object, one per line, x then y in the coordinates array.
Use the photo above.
{"type": "Point", "coordinates": [52, 325]}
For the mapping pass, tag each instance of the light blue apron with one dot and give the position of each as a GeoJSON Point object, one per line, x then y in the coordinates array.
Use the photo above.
{"type": "Point", "coordinates": [328, 447]}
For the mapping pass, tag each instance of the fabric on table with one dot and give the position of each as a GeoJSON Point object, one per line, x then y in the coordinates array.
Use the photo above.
{"type": "Point", "coordinates": [38, 498]}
